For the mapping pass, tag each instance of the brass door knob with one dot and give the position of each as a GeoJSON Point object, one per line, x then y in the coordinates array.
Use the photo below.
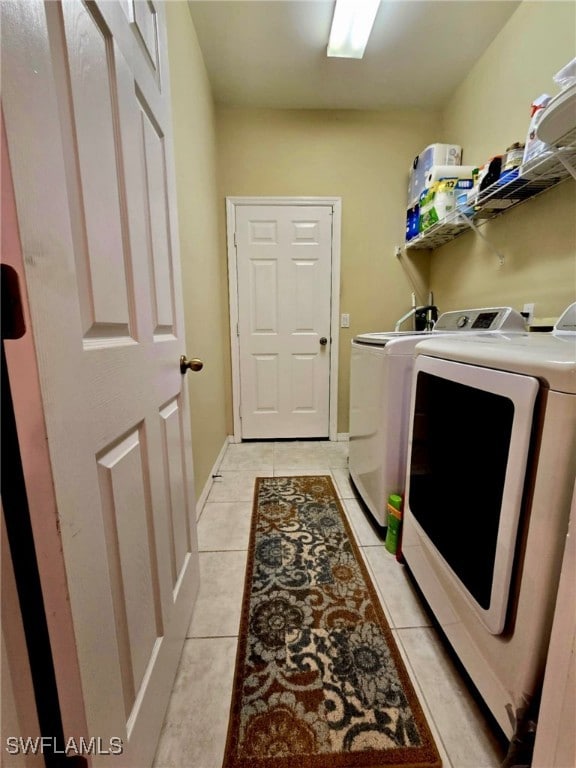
{"type": "Point", "coordinates": [193, 365]}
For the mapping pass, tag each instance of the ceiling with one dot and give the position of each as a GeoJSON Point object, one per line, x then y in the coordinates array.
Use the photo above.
{"type": "Point", "coordinates": [272, 53]}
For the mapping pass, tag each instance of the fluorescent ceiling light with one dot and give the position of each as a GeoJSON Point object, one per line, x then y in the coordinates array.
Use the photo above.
{"type": "Point", "coordinates": [351, 27]}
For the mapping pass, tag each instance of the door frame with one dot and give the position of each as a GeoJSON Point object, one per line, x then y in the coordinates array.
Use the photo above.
{"type": "Point", "coordinates": [231, 205]}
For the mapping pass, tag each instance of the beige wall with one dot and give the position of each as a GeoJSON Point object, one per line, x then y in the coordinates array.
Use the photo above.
{"type": "Point", "coordinates": [203, 265]}
{"type": "Point", "coordinates": [361, 157]}
{"type": "Point", "coordinates": [488, 112]}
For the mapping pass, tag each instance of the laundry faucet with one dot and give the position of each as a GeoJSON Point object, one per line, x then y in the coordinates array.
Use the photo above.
{"type": "Point", "coordinates": [425, 316]}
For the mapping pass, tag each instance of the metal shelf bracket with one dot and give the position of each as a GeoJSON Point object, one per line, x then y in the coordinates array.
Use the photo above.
{"type": "Point", "coordinates": [489, 243]}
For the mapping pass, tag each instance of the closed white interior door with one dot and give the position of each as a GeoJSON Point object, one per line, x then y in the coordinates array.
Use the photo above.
{"type": "Point", "coordinates": [87, 107]}
{"type": "Point", "coordinates": [284, 274]}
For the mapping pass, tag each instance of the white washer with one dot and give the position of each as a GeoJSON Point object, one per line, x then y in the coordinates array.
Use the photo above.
{"type": "Point", "coordinates": [380, 383]}
{"type": "Point", "coordinates": [490, 477]}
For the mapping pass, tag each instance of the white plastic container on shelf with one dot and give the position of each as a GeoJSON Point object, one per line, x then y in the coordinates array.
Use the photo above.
{"type": "Point", "coordinates": [435, 154]}
{"type": "Point", "coordinates": [566, 77]}
{"type": "Point", "coordinates": [557, 126]}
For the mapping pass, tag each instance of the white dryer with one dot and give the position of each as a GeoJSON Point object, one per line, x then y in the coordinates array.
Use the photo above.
{"type": "Point", "coordinates": [490, 477]}
{"type": "Point", "coordinates": [380, 385]}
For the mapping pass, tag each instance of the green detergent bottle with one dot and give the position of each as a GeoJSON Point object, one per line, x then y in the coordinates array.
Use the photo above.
{"type": "Point", "coordinates": [394, 522]}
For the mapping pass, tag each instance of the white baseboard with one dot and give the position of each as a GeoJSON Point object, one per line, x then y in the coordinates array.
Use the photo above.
{"type": "Point", "coordinates": [343, 436]}
{"type": "Point", "coordinates": [206, 490]}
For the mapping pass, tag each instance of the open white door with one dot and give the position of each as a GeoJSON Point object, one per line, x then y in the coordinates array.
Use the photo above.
{"type": "Point", "coordinates": [286, 333]}
{"type": "Point", "coordinates": [86, 101]}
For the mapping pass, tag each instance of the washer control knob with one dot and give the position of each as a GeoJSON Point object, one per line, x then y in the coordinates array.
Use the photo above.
{"type": "Point", "coordinates": [462, 321]}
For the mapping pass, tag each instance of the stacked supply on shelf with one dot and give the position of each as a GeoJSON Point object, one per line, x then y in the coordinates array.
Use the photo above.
{"type": "Point", "coordinates": [435, 155]}
{"type": "Point", "coordinates": [443, 185]}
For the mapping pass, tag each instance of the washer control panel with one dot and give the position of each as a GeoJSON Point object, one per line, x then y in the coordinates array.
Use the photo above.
{"type": "Point", "coordinates": [489, 319]}
{"type": "Point", "coordinates": [485, 319]}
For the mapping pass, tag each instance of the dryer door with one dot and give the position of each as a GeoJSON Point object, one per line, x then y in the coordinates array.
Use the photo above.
{"type": "Point", "coordinates": [469, 447]}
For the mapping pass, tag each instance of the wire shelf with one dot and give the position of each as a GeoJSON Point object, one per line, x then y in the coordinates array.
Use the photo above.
{"type": "Point", "coordinates": [508, 192]}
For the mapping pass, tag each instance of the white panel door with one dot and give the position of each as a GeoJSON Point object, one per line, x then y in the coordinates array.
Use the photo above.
{"type": "Point", "coordinates": [87, 107]}
{"type": "Point", "coordinates": [284, 270]}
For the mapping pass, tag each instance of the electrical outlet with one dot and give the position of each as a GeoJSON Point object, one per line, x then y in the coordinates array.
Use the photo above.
{"type": "Point", "coordinates": [528, 312]}
{"type": "Point", "coordinates": [345, 321]}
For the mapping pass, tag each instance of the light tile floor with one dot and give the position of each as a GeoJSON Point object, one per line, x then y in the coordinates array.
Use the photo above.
{"type": "Point", "coordinates": [195, 727]}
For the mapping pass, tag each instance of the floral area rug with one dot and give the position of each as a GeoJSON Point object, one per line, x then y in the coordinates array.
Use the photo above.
{"type": "Point", "coordinates": [319, 682]}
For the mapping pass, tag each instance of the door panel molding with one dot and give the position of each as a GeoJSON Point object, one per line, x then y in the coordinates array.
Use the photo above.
{"type": "Point", "coordinates": [119, 564]}
{"type": "Point", "coordinates": [232, 204]}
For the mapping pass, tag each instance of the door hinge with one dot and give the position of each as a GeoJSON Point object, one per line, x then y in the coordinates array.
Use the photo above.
{"type": "Point", "coordinates": [237, 330]}
{"type": "Point", "coordinates": [13, 325]}
{"type": "Point", "coordinates": [235, 240]}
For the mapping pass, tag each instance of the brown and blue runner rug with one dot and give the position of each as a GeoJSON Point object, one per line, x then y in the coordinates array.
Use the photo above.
{"type": "Point", "coordinates": [319, 681]}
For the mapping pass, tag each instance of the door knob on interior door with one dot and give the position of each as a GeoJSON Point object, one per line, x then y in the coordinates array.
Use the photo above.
{"type": "Point", "coordinates": [323, 341]}
{"type": "Point", "coordinates": [193, 365]}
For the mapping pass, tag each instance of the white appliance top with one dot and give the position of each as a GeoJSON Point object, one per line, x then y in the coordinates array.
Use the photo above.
{"type": "Point", "coordinates": [550, 357]}
{"type": "Point", "coordinates": [476, 321]}
{"type": "Point", "coordinates": [566, 324]}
